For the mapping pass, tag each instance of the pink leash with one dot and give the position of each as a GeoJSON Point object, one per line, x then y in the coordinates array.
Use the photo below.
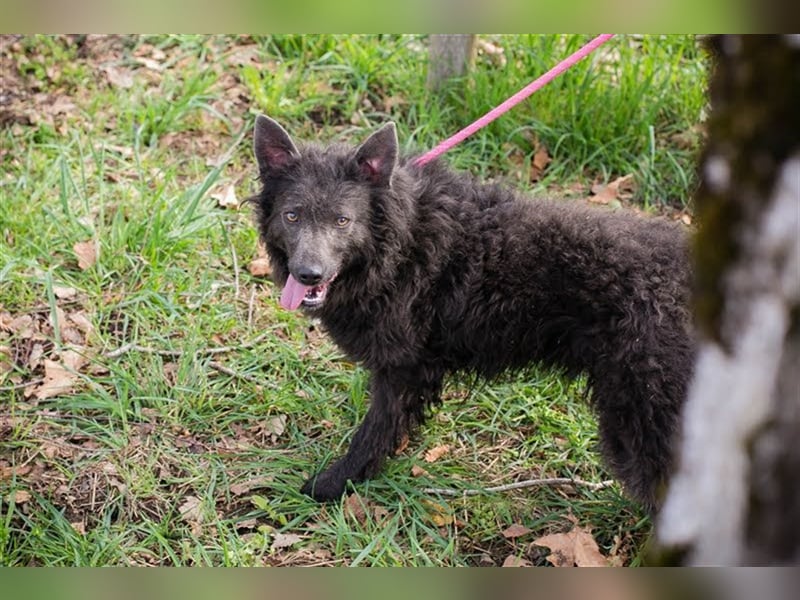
{"type": "Point", "coordinates": [514, 100]}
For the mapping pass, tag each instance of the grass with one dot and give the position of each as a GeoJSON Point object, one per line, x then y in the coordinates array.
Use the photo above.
{"type": "Point", "coordinates": [172, 453]}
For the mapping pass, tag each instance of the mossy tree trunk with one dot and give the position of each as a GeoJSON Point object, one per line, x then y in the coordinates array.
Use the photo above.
{"type": "Point", "coordinates": [735, 499]}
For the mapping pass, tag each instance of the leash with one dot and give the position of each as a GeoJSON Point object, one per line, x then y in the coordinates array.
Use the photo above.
{"type": "Point", "coordinates": [514, 100]}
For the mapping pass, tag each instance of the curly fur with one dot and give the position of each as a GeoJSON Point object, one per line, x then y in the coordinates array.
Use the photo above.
{"type": "Point", "coordinates": [439, 273]}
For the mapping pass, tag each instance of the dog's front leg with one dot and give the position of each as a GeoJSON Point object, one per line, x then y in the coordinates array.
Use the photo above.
{"type": "Point", "coordinates": [387, 420]}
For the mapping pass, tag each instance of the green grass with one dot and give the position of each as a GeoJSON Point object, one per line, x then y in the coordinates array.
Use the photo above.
{"type": "Point", "coordinates": [158, 456]}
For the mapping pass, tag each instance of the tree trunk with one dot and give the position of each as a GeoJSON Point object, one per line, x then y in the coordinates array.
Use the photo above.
{"type": "Point", "coordinates": [449, 56]}
{"type": "Point", "coordinates": [735, 499]}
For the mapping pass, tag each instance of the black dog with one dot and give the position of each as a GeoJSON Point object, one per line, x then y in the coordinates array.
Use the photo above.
{"type": "Point", "coordinates": [417, 272]}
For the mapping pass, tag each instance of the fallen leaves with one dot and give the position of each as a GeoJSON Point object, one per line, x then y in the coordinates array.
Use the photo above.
{"type": "Point", "coordinates": [284, 540]}
{"type": "Point", "coordinates": [275, 427]}
{"type": "Point", "coordinates": [417, 471]}
{"type": "Point", "coordinates": [621, 189]}
{"type": "Point", "coordinates": [60, 378]}
{"type": "Point", "coordinates": [362, 509]}
{"type": "Point", "coordinates": [436, 453]}
{"type": "Point", "coordinates": [227, 197]}
{"type": "Point", "coordinates": [514, 531]}
{"type": "Point", "coordinates": [118, 77]}
{"type": "Point", "coordinates": [191, 511]}
{"type": "Point", "coordinates": [541, 158]}
{"type": "Point", "coordinates": [576, 547]}
{"type": "Point", "coordinates": [513, 560]}
{"type": "Point", "coordinates": [439, 514]}
{"type": "Point", "coordinates": [19, 496]}
{"type": "Point", "coordinates": [534, 164]}
{"type": "Point", "coordinates": [30, 358]}
{"type": "Point", "coordinates": [86, 253]}
{"type": "Point", "coordinates": [260, 265]}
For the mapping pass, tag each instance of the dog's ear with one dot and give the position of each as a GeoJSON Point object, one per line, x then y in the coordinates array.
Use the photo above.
{"type": "Point", "coordinates": [273, 147]}
{"type": "Point", "coordinates": [377, 156]}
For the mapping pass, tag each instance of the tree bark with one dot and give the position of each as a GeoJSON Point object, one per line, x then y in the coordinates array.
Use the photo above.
{"type": "Point", "coordinates": [450, 56]}
{"type": "Point", "coordinates": [735, 499]}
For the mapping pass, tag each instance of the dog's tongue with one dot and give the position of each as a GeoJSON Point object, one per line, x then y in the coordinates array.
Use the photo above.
{"type": "Point", "coordinates": [293, 293]}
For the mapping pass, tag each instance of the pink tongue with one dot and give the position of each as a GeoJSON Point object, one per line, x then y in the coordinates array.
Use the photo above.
{"type": "Point", "coordinates": [293, 293]}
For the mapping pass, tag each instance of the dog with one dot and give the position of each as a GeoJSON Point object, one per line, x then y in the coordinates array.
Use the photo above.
{"type": "Point", "coordinates": [417, 272]}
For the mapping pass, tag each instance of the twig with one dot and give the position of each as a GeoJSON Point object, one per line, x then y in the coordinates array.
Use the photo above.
{"type": "Point", "coordinates": [553, 481]}
{"type": "Point", "coordinates": [149, 350]}
{"type": "Point", "coordinates": [19, 386]}
{"type": "Point", "coordinates": [228, 371]}
{"type": "Point", "coordinates": [137, 348]}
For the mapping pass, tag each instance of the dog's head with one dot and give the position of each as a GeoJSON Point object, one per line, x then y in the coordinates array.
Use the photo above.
{"type": "Point", "coordinates": [316, 206]}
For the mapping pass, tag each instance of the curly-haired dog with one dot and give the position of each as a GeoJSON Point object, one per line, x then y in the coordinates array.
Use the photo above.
{"type": "Point", "coordinates": [419, 271]}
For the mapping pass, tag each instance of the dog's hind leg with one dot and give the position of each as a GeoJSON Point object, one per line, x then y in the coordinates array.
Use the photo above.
{"type": "Point", "coordinates": [395, 408]}
{"type": "Point", "coordinates": [638, 421]}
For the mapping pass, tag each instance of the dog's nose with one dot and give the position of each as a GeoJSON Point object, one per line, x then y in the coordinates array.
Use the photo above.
{"type": "Point", "coordinates": [309, 275]}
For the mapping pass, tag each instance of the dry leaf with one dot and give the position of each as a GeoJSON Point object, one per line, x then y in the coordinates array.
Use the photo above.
{"type": "Point", "coordinates": [514, 531]}
{"type": "Point", "coordinates": [284, 540]}
{"type": "Point", "coordinates": [587, 554]}
{"type": "Point", "coordinates": [79, 527]}
{"type": "Point", "coordinates": [402, 446]}
{"type": "Point", "coordinates": [60, 319]}
{"type": "Point", "coordinates": [259, 267]}
{"type": "Point", "coordinates": [64, 293]}
{"type": "Point", "coordinates": [73, 360]}
{"type": "Point", "coordinates": [541, 158]}
{"type": "Point", "coordinates": [436, 453]}
{"type": "Point", "coordinates": [227, 198]}
{"type": "Point", "coordinates": [380, 513]}
{"type": "Point", "coordinates": [574, 548]}
{"type": "Point", "coordinates": [22, 326]}
{"type": "Point", "coordinates": [149, 63]}
{"type": "Point", "coordinates": [61, 105]}
{"type": "Point", "coordinates": [438, 513]}
{"type": "Point", "coordinates": [82, 322]}
{"type": "Point", "coordinates": [602, 194]}
{"type": "Point", "coordinates": [515, 561]}
{"type": "Point", "coordinates": [35, 358]}
{"type": "Point", "coordinates": [417, 471]}
{"type": "Point", "coordinates": [86, 253]}
{"type": "Point", "coordinates": [58, 381]}
{"type": "Point", "coordinates": [620, 189]}
{"type": "Point", "coordinates": [276, 426]}
{"type": "Point", "coordinates": [190, 509]}
{"type": "Point", "coordinates": [9, 472]}
{"type": "Point", "coordinates": [119, 78]}
{"type": "Point", "coordinates": [686, 219]}
{"type": "Point", "coordinates": [21, 496]}
{"type": "Point", "coordinates": [356, 507]}
{"type": "Point", "coordinates": [247, 524]}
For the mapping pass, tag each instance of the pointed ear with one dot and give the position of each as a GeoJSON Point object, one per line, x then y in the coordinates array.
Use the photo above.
{"type": "Point", "coordinates": [273, 147]}
{"type": "Point", "coordinates": [377, 156]}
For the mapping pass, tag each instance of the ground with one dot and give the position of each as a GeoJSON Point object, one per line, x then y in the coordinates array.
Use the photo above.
{"type": "Point", "coordinates": [156, 405]}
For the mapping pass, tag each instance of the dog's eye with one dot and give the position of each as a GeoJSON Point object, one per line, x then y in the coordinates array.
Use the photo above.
{"type": "Point", "coordinates": [291, 216]}
{"type": "Point", "coordinates": [342, 221]}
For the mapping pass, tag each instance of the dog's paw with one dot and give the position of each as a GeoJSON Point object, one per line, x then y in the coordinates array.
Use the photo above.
{"type": "Point", "coordinates": [326, 486]}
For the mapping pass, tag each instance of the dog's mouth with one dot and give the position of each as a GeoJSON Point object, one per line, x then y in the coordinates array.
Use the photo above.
{"type": "Point", "coordinates": [310, 296]}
